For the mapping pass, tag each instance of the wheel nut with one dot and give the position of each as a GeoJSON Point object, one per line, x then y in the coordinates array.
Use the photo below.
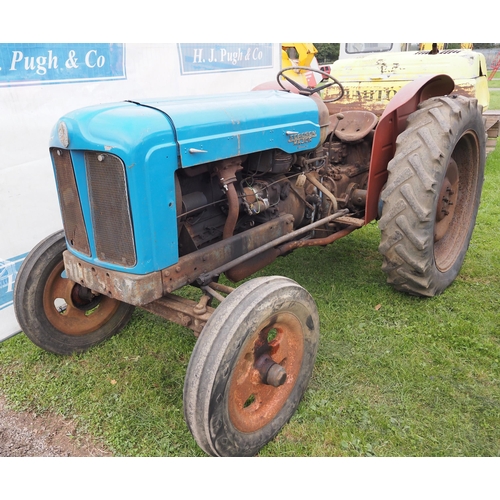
{"type": "Point", "coordinates": [271, 372]}
{"type": "Point", "coordinates": [276, 375]}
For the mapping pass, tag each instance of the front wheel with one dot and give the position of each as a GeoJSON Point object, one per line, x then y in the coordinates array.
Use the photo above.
{"type": "Point", "coordinates": [251, 366]}
{"type": "Point", "coordinates": [56, 314]}
{"type": "Point", "coordinates": [432, 195]}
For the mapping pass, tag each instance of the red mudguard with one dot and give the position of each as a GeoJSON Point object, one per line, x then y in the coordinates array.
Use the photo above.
{"type": "Point", "coordinates": [391, 124]}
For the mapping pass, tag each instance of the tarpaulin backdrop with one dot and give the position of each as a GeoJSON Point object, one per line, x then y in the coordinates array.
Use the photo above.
{"type": "Point", "coordinates": [41, 82]}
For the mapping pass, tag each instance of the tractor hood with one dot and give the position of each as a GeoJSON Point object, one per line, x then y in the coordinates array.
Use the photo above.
{"type": "Point", "coordinates": [204, 129]}
{"type": "Point", "coordinates": [129, 152]}
{"type": "Point", "coordinates": [228, 125]}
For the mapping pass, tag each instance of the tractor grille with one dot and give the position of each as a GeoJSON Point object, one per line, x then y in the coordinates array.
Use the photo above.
{"type": "Point", "coordinates": [111, 218]}
{"type": "Point", "coordinates": [71, 209]}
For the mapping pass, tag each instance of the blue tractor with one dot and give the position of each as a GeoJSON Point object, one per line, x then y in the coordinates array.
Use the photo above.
{"type": "Point", "coordinates": [161, 194]}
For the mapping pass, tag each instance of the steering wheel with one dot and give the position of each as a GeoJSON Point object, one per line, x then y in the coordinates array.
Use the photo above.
{"type": "Point", "coordinates": [310, 90]}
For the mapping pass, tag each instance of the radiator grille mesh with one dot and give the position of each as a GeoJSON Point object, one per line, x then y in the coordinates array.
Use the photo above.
{"type": "Point", "coordinates": [110, 208]}
{"type": "Point", "coordinates": [71, 210]}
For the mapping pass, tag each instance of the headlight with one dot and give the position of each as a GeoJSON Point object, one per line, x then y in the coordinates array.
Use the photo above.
{"type": "Point", "coordinates": [62, 132]}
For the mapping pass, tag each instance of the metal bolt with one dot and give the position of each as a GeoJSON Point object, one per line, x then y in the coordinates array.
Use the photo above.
{"type": "Point", "coordinates": [271, 373]}
{"type": "Point", "coordinates": [276, 375]}
{"type": "Point", "coordinates": [185, 320]}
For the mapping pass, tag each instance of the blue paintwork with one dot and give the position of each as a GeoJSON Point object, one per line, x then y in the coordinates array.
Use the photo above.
{"type": "Point", "coordinates": [143, 138]}
{"type": "Point", "coordinates": [231, 125]}
{"type": "Point", "coordinates": [153, 140]}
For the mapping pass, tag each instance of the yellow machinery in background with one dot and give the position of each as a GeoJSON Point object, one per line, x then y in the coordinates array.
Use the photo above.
{"type": "Point", "coordinates": [372, 74]}
{"type": "Point", "coordinates": [442, 46]}
{"type": "Point", "coordinates": [300, 54]}
{"type": "Point", "coordinates": [376, 72]}
{"type": "Point", "coordinates": [372, 80]}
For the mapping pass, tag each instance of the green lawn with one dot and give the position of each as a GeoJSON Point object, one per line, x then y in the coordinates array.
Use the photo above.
{"type": "Point", "coordinates": [495, 82]}
{"type": "Point", "coordinates": [395, 375]}
{"type": "Point", "coordinates": [495, 99]}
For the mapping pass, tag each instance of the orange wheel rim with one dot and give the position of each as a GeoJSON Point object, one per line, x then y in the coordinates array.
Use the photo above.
{"type": "Point", "coordinates": [253, 403]}
{"type": "Point", "coordinates": [67, 316]}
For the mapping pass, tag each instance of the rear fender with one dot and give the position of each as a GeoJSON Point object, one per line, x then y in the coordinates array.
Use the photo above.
{"type": "Point", "coordinates": [391, 124]}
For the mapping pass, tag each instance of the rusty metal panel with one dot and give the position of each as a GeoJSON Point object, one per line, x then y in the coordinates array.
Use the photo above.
{"type": "Point", "coordinates": [375, 96]}
{"type": "Point", "coordinates": [69, 201]}
{"type": "Point", "coordinates": [181, 311]}
{"type": "Point", "coordinates": [391, 124]}
{"type": "Point", "coordinates": [492, 127]}
{"type": "Point", "coordinates": [351, 221]}
{"type": "Point", "coordinates": [133, 289]}
{"type": "Point", "coordinates": [191, 266]}
{"type": "Point", "coordinates": [140, 290]}
{"type": "Point", "coordinates": [111, 217]}
{"type": "Point", "coordinates": [369, 96]}
{"type": "Point", "coordinates": [371, 82]}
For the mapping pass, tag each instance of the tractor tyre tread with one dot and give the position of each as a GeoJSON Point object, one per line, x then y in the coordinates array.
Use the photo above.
{"type": "Point", "coordinates": [415, 175]}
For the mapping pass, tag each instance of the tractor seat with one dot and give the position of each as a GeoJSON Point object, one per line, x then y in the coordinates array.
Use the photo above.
{"type": "Point", "coordinates": [352, 126]}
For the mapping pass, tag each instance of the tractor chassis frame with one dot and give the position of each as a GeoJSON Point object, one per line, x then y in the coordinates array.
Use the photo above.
{"type": "Point", "coordinates": [244, 251]}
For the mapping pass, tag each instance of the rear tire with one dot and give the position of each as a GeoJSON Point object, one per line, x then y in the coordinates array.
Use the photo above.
{"type": "Point", "coordinates": [432, 195]}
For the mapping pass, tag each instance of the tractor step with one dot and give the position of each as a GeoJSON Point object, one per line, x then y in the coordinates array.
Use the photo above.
{"type": "Point", "coordinates": [351, 221]}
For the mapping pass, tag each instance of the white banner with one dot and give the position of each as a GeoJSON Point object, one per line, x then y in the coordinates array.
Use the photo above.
{"type": "Point", "coordinates": [41, 82]}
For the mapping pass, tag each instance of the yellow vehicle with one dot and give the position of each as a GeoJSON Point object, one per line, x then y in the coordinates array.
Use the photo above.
{"type": "Point", "coordinates": [300, 55]}
{"type": "Point", "coordinates": [372, 74]}
{"type": "Point", "coordinates": [372, 80]}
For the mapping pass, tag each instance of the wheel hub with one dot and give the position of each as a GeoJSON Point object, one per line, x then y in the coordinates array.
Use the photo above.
{"type": "Point", "coordinates": [446, 201]}
{"type": "Point", "coordinates": [271, 372]}
{"type": "Point", "coordinates": [83, 298]}
{"type": "Point", "coordinates": [73, 309]}
{"type": "Point", "coordinates": [265, 372]}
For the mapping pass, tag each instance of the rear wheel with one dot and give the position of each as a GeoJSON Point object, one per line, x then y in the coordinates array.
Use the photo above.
{"type": "Point", "coordinates": [57, 314]}
{"type": "Point", "coordinates": [250, 366]}
{"type": "Point", "coordinates": [432, 195]}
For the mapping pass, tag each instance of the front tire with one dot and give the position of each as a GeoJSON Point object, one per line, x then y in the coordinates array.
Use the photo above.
{"type": "Point", "coordinates": [57, 314]}
{"type": "Point", "coordinates": [251, 366]}
{"type": "Point", "coordinates": [432, 195]}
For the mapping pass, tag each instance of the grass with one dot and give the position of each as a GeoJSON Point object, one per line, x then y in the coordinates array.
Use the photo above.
{"type": "Point", "coordinates": [395, 375]}
{"type": "Point", "coordinates": [494, 99]}
{"type": "Point", "coordinates": [494, 94]}
{"type": "Point", "coordinates": [494, 83]}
